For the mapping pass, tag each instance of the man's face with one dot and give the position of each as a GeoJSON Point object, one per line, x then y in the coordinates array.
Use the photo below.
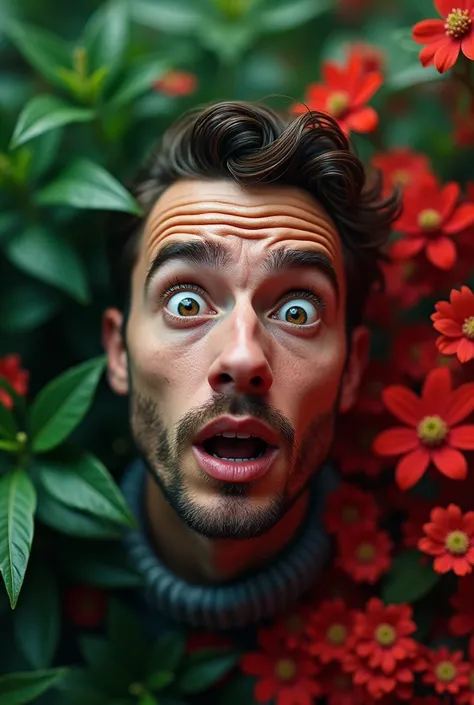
{"type": "Point", "coordinates": [235, 338]}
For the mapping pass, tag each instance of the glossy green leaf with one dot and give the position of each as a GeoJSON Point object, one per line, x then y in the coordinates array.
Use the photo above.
{"type": "Point", "coordinates": [282, 15]}
{"type": "Point", "coordinates": [20, 688]}
{"type": "Point", "coordinates": [174, 16]}
{"type": "Point", "coordinates": [17, 509]}
{"type": "Point", "coordinates": [73, 522]}
{"type": "Point", "coordinates": [50, 258]}
{"type": "Point", "coordinates": [85, 484]}
{"type": "Point", "coordinates": [8, 425]}
{"type": "Point", "coordinates": [410, 578]}
{"type": "Point", "coordinates": [26, 306]}
{"type": "Point", "coordinates": [44, 149]}
{"type": "Point", "coordinates": [167, 652]}
{"type": "Point", "coordinates": [204, 668]}
{"type": "Point", "coordinates": [37, 618]}
{"type": "Point", "coordinates": [45, 51]}
{"type": "Point", "coordinates": [139, 79]}
{"type": "Point", "coordinates": [84, 184]}
{"type": "Point", "coordinates": [63, 403]}
{"type": "Point", "coordinates": [105, 37]}
{"type": "Point", "coordinates": [43, 113]}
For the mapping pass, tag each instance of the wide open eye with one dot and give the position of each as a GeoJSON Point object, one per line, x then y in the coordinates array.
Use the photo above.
{"type": "Point", "coordinates": [186, 305]}
{"type": "Point", "coordinates": [299, 312]}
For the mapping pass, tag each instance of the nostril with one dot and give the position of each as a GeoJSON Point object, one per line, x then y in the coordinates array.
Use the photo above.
{"type": "Point", "coordinates": [256, 381]}
{"type": "Point", "coordinates": [225, 377]}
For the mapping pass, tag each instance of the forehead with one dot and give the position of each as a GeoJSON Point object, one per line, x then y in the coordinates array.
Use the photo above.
{"type": "Point", "coordinates": [254, 220]}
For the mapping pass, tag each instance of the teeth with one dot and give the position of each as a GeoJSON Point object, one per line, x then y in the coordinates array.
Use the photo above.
{"type": "Point", "coordinates": [237, 460]}
{"type": "Point", "coordinates": [232, 434]}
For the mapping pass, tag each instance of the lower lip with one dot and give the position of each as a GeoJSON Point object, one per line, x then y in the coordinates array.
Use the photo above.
{"type": "Point", "coordinates": [230, 471]}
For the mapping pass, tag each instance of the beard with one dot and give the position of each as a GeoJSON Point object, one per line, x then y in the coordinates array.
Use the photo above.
{"type": "Point", "coordinates": [233, 515]}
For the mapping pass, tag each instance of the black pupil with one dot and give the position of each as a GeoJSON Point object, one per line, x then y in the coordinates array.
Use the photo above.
{"type": "Point", "coordinates": [294, 312]}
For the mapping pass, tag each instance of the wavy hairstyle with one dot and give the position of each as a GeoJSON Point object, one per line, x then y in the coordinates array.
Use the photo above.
{"type": "Point", "coordinates": [249, 144]}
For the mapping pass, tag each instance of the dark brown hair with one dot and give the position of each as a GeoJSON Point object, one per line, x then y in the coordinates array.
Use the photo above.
{"type": "Point", "coordinates": [252, 144]}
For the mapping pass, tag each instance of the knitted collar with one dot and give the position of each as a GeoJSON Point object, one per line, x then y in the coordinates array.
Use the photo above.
{"type": "Point", "coordinates": [262, 595]}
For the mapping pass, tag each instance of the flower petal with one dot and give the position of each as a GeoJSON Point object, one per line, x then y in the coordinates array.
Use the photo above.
{"type": "Point", "coordinates": [427, 54]}
{"type": "Point", "coordinates": [461, 219]}
{"type": "Point", "coordinates": [462, 437]}
{"type": "Point", "coordinates": [363, 119]}
{"type": "Point", "coordinates": [465, 350]}
{"type": "Point", "coordinates": [467, 46]}
{"type": "Point", "coordinates": [447, 55]}
{"type": "Point", "coordinates": [407, 247]}
{"type": "Point", "coordinates": [460, 404]}
{"type": "Point", "coordinates": [444, 7]}
{"type": "Point", "coordinates": [441, 252]}
{"type": "Point", "coordinates": [411, 468]}
{"type": "Point", "coordinates": [395, 441]}
{"type": "Point", "coordinates": [436, 392]}
{"type": "Point", "coordinates": [448, 198]}
{"type": "Point", "coordinates": [448, 327]}
{"type": "Point", "coordinates": [450, 462]}
{"type": "Point", "coordinates": [369, 86]}
{"type": "Point", "coordinates": [334, 76]}
{"type": "Point", "coordinates": [447, 346]}
{"type": "Point", "coordinates": [429, 31]}
{"type": "Point", "coordinates": [404, 404]}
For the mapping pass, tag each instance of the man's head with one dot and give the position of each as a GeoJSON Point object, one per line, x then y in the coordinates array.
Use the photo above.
{"type": "Point", "coordinates": [241, 295]}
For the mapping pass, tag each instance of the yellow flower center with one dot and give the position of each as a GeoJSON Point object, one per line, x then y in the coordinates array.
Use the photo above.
{"type": "Point", "coordinates": [458, 23]}
{"type": "Point", "coordinates": [294, 623]}
{"type": "Point", "coordinates": [468, 327]}
{"type": "Point", "coordinates": [457, 542]}
{"type": "Point", "coordinates": [432, 430]}
{"type": "Point", "coordinates": [385, 634]}
{"type": "Point", "coordinates": [365, 552]}
{"type": "Point", "coordinates": [337, 103]}
{"type": "Point", "coordinates": [401, 177]}
{"type": "Point", "coordinates": [445, 671]}
{"type": "Point", "coordinates": [285, 669]}
{"type": "Point", "coordinates": [336, 634]}
{"type": "Point", "coordinates": [350, 514]}
{"type": "Point", "coordinates": [429, 219]}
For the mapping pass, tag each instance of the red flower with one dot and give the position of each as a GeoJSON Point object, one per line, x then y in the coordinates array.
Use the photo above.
{"type": "Point", "coordinates": [330, 631]}
{"type": "Point", "coordinates": [462, 623]}
{"type": "Point", "coordinates": [339, 689]}
{"type": "Point", "coordinates": [364, 553]}
{"type": "Point", "coordinates": [286, 676]}
{"type": "Point", "coordinates": [373, 58]}
{"type": "Point", "coordinates": [431, 434]}
{"type": "Point", "coordinates": [450, 537]}
{"type": "Point", "coordinates": [290, 628]}
{"type": "Point", "coordinates": [176, 83]}
{"type": "Point", "coordinates": [413, 352]}
{"type": "Point", "coordinates": [344, 94]}
{"type": "Point", "coordinates": [431, 215]}
{"type": "Point", "coordinates": [348, 506]}
{"type": "Point", "coordinates": [447, 37]}
{"type": "Point", "coordinates": [445, 670]}
{"type": "Point", "coordinates": [85, 606]}
{"type": "Point", "coordinates": [455, 322]}
{"type": "Point", "coordinates": [401, 167]}
{"type": "Point", "coordinates": [467, 696]}
{"type": "Point", "coordinates": [376, 377]}
{"type": "Point", "coordinates": [352, 450]}
{"type": "Point", "coordinates": [10, 370]}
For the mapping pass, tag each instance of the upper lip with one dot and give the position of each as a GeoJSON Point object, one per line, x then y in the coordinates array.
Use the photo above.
{"type": "Point", "coordinates": [249, 425]}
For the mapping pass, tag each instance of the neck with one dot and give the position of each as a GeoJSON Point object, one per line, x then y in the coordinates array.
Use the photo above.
{"type": "Point", "coordinates": [204, 561]}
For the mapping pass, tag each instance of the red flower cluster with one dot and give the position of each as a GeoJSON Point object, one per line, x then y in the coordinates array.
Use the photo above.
{"type": "Point", "coordinates": [176, 83]}
{"type": "Point", "coordinates": [455, 322]}
{"type": "Point", "coordinates": [11, 371]}
{"type": "Point", "coordinates": [450, 537]}
{"type": "Point", "coordinates": [446, 38]}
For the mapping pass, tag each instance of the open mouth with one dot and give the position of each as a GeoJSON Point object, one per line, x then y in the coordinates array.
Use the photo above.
{"type": "Point", "coordinates": [235, 449]}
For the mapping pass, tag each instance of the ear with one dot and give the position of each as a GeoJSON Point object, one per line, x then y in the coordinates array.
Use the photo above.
{"type": "Point", "coordinates": [114, 346]}
{"type": "Point", "coordinates": [355, 367]}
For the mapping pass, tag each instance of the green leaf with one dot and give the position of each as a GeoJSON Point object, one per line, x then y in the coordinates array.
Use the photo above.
{"type": "Point", "coordinates": [167, 652]}
{"type": "Point", "coordinates": [409, 579]}
{"type": "Point", "coordinates": [50, 258]}
{"type": "Point", "coordinates": [17, 509]}
{"type": "Point", "coordinates": [45, 51]}
{"type": "Point", "coordinates": [126, 639]}
{"type": "Point", "coordinates": [45, 149]}
{"type": "Point", "coordinates": [176, 17]}
{"type": "Point", "coordinates": [138, 80]}
{"type": "Point", "coordinates": [204, 668]}
{"type": "Point", "coordinates": [44, 113]}
{"type": "Point", "coordinates": [8, 425]}
{"type": "Point", "coordinates": [27, 306]}
{"type": "Point", "coordinates": [109, 675]}
{"type": "Point", "coordinates": [228, 39]}
{"type": "Point", "coordinates": [78, 688]}
{"type": "Point", "coordinates": [71, 522]}
{"type": "Point", "coordinates": [85, 484]}
{"type": "Point", "coordinates": [63, 403]}
{"type": "Point", "coordinates": [37, 617]}
{"type": "Point", "coordinates": [282, 15]}
{"type": "Point", "coordinates": [84, 184]}
{"type": "Point", "coordinates": [159, 680]}
{"type": "Point", "coordinates": [105, 37]}
{"type": "Point", "coordinates": [101, 565]}
{"type": "Point", "coordinates": [19, 688]}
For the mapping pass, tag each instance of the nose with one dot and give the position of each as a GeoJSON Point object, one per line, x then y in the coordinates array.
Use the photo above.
{"type": "Point", "coordinates": [241, 364]}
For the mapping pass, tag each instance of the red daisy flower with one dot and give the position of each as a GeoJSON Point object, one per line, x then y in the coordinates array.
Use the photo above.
{"type": "Point", "coordinates": [431, 215]}
{"type": "Point", "coordinates": [431, 434]}
{"type": "Point", "coordinates": [413, 352]}
{"type": "Point", "coordinates": [344, 93]}
{"type": "Point", "coordinates": [462, 623]}
{"type": "Point", "coordinates": [290, 627]}
{"type": "Point", "coordinates": [380, 685]}
{"type": "Point", "coordinates": [403, 283]}
{"type": "Point", "coordinates": [445, 670]}
{"type": "Point", "coordinates": [85, 606]}
{"type": "Point", "coordinates": [447, 37]}
{"type": "Point", "coordinates": [330, 631]}
{"type": "Point", "coordinates": [348, 506]}
{"type": "Point", "coordinates": [401, 167]}
{"type": "Point", "coordinates": [286, 676]}
{"type": "Point", "coordinates": [455, 322]}
{"type": "Point", "coordinates": [467, 697]}
{"type": "Point", "coordinates": [11, 371]}
{"type": "Point", "coordinates": [176, 83]}
{"type": "Point", "coordinates": [364, 553]}
{"type": "Point", "coordinates": [383, 635]}
{"type": "Point", "coordinates": [373, 58]}
{"type": "Point", "coordinates": [338, 688]}
{"type": "Point", "coordinates": [450, 537]}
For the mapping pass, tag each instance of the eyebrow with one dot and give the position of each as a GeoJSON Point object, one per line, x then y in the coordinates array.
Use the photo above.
{"type": "Point", "coordinates": [214, 255]}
